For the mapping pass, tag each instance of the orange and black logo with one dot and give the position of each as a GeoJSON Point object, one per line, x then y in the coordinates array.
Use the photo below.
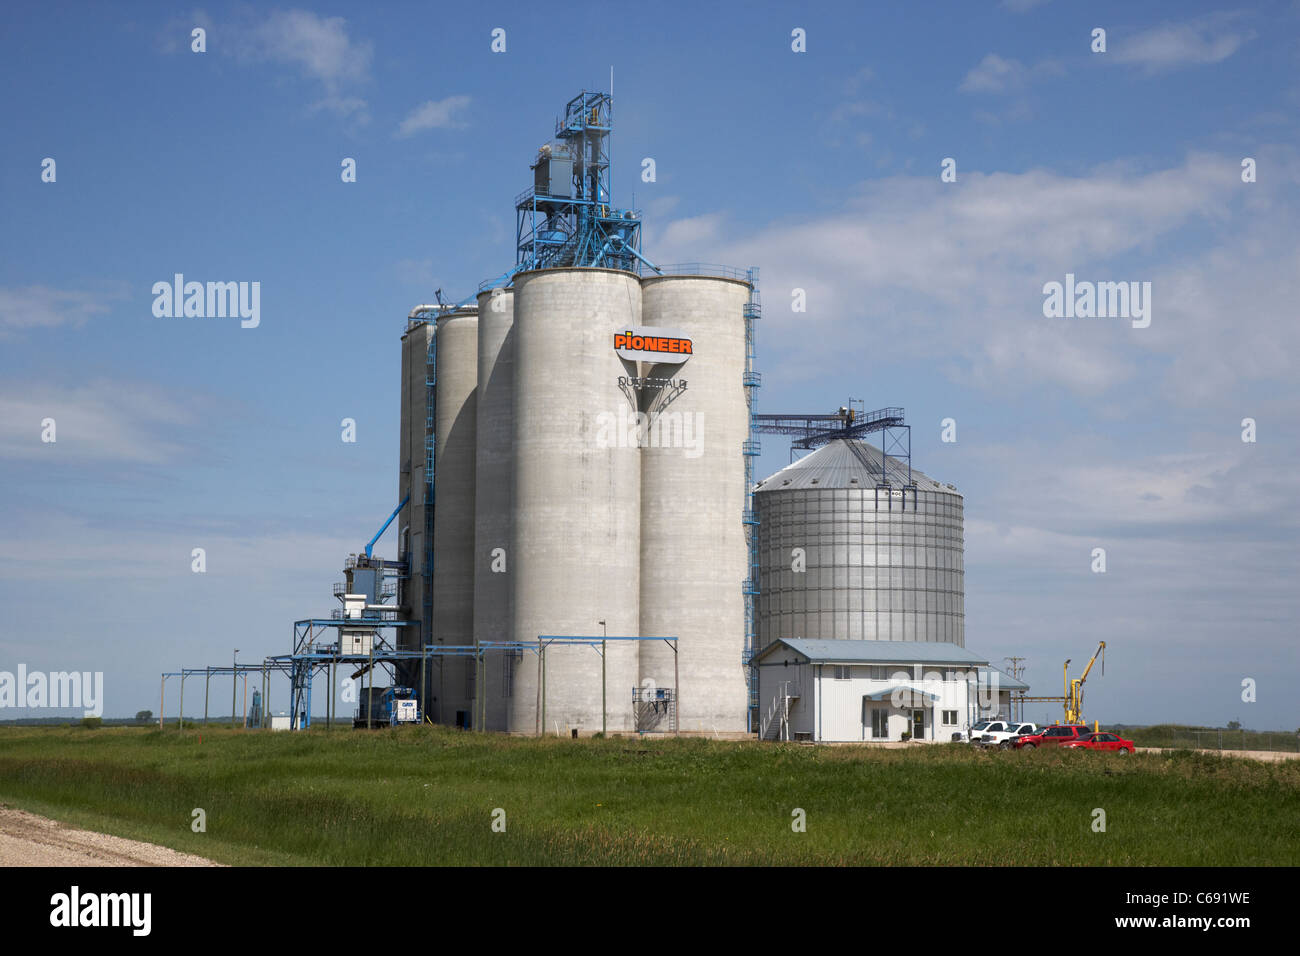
{"type": "Point", "coordinates": [653, 345]}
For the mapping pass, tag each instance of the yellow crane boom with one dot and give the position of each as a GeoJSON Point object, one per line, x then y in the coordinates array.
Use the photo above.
{"type": "Point", "coordinates": [1074, 688]}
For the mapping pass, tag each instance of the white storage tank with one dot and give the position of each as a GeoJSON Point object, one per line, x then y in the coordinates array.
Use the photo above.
{"type": "Point", "coordinates": [881, 563]}
{"type": "Point", "coordinates": [575, 541]}
{"type": "Point", "coordinates": [414, 535]}
{"type": "Point", "coordinates": [454, 486]}
{"type": "Point", "coordinates": [693, 551]}
{"type": "Point", "coordinates": [494, 479]}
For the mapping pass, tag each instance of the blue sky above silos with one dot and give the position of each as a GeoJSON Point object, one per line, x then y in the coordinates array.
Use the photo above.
{"type": "Point", "coordinates": [822, 168]}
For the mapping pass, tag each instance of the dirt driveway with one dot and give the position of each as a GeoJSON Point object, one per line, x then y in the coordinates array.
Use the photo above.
{"type": "Point", "coordinates": [29, 840]}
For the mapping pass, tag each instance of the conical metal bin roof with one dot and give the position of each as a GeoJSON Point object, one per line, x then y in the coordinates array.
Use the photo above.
{"type": "Point", "coordinates": [847, 463]}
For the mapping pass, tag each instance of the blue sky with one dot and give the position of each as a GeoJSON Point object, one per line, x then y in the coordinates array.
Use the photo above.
{"type": "Point", "coordinates": [822, 168]}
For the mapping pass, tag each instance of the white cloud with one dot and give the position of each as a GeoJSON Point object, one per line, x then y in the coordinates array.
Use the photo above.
{"type": "Point", "coordinates": [1200, 555]}
{"type": "Point", "coordinates": [67, 546]}
{"type": "Point", "coordinates": [660, 207]}
{"type": "Point", "coordinates": [177, 34]}
{"type": "Point", "coordinates": [433, 114]}
{"type": "Point", "coordinates": [688, 235]}
{"type": "Point", "coordinates": [38, 306]}
{"type": "Point", "coordinates": [853, 109]}
{"type": "Point", "coordinates": [857, 80]}
{"type": "Point", "coordinates": [995, 74]}
{"type": "Point", "coordinates": [1209, 39]}
{"type": "Point", "coordinates": [98, 421]}
{"type": "Point", "coordinates": [60, 569]}
{"type": "Point", "coordinates": [343, 106]}
{"type": "Point", "coordinates": [1086, 482]}
{"type": "Point", "coordinates": [957, 272]}
{"type": "Point", "coordinates": [320, 46]}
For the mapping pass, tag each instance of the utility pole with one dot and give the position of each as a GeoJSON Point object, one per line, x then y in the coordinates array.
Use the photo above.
{"type": "Point", "coordinates": [604, 633]}
{"type": "Point", "coordinates": [234, 684]}
{"type": "Point", "coordinates": [1016, 671]}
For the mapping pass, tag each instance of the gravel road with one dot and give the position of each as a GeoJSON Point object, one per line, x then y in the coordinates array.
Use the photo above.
{"type": "Point", "coordinates": [29, 840]}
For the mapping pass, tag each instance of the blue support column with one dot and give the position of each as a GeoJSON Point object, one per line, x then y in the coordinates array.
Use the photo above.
{"type": "Point", "coordinates": [751, 450]}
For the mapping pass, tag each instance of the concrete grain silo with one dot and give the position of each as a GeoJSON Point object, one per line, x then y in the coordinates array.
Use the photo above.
{"type": "Point", "coordinates": [693, 550]}
{"type": "Point", "coordinates": [576, 518]}
{"type": "Point", "coordinates": [582, 487]}
{"type": "Point", "coordinates": [879, 563]}
{"type": "Point", "coordinates": [454, 490]}
{"type": "Point", "coordinates": [494, 481]}
{"type": "Point", "coordinates": [414, 521]}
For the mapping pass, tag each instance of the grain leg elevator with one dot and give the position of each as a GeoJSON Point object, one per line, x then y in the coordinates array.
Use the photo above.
{"type": "Point", "coordinates": [576, 448]}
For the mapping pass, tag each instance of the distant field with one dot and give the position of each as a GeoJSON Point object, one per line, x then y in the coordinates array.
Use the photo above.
{"type": "Point", "coordinates": [426, 796]}
{"type": "Point", "coordinates": [1209, 738]}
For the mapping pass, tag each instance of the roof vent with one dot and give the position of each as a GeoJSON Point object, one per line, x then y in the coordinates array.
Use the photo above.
{"type": "Point", "coordinates": [814, 481]}
{"type": "Point", "coordinates": [786, 482]}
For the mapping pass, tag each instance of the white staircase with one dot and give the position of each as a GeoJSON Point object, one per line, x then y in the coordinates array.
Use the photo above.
{"type": "Point", "coordinates": [776, 722]}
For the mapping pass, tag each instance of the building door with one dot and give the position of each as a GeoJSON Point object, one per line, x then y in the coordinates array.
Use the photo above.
{"type": "Point", "coordinates": [880, 723]}
{"type": "Point", "coordinates": [918, 725]}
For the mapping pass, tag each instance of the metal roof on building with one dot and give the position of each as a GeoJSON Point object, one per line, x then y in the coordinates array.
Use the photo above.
{"type": "Point", "coordinates": [910, 690]}
{"type": "Point", "coordinates": [878, 652]}
{"type": "Point", "coordinates": [1005, 680]}
{"type": "Point", "coordinates": [847, 463]}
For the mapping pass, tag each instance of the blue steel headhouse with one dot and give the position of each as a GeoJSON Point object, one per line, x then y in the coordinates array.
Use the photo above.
{"type": "Point", "coordinates": [567, 217]}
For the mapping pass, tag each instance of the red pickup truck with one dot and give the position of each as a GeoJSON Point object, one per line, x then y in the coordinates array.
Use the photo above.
{"type": "Point", "coordinates": [1052, 736]}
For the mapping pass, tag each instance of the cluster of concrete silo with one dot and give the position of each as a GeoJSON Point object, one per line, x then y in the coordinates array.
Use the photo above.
{"type": "Point", "coordinates": [555, 507]}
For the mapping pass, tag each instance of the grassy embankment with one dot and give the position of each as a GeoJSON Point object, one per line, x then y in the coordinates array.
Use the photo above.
{"type": "Point", "coordinates": [427, 796]}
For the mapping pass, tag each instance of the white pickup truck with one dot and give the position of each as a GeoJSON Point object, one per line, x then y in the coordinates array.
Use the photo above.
{"type": "Point", "coordinates": [998, 733]}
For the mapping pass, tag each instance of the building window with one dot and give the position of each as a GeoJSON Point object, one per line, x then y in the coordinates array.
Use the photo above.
{"type": "Point", "coordinates": [880, 723]}
{"type": "Point", "coordinates": [880, 673]}
{"type": "Point", "coordinates": [950, 717]}
{"type": "Point", "coordinates": [841, 672]}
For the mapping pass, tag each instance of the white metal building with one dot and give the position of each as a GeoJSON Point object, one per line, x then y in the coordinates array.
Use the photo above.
{"type": "Point", "coordinates": [1000, 705]}
{"type": "Point", "coordinates": [841, 691]}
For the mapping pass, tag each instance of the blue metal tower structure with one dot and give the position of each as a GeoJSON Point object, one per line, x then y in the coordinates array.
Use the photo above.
{"type": "Point", "coordinates": [752, 380]}
{"type": "Point", "coordinates": [813, 431]}
{"type": "Point", "coordinates": [430, 444]}
{"type": "Point", "coordinates": [566, 218]}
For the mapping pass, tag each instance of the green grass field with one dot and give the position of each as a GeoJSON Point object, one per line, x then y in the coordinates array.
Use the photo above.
{"type": "Point", "coordinates": [427, 795]}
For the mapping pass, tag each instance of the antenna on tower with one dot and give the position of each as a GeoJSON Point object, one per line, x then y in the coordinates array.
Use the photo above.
{"type": "Point", "coordinates": [568, 217]}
